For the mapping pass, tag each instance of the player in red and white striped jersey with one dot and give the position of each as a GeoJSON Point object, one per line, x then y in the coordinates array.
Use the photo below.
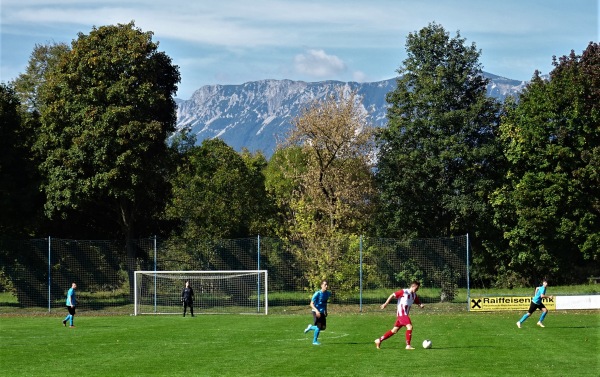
{"type": "Point", "coordinates": [406, 297]}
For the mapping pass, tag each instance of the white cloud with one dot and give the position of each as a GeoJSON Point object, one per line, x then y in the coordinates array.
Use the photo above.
{"type": "Point", "coordinates": [240, 40]}
{"type": "Point", "coordinates": [317, 63]}
{"type": "Point", "coordinates": [359, 76]}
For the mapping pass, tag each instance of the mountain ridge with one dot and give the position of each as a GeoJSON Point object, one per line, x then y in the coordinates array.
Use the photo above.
{"type": "Point", "coordinates": [255, 115]}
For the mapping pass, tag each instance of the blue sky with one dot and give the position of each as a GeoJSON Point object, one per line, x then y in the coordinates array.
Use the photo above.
{"type": "Point", "coordinates": [236, 41]}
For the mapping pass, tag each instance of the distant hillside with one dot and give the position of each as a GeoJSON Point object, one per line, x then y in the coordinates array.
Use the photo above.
{"type": "Point", "coordinates": [257, 114]}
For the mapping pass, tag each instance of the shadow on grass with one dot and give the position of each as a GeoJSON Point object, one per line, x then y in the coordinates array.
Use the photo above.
{"type": "Point", "coordinates": [575, 327]}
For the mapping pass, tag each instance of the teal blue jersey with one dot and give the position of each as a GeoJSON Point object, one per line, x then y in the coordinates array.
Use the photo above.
{"type": "Point", "coordinates": [320, 300]}
{"type": "Point", "coordinates": [539, 291]}
{"type": "Point", "coordinates": [71, 301]}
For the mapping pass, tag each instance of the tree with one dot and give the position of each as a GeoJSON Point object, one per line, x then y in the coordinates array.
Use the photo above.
{"type": "Point", "coordinates": [107, 108]}
{"type": "Point", "coordinates": [336, 187]}
{"type": "Point", "coordinates": [28, 202]}
{"type": "Point", "coordinates": [439, 156]}
{"type": "Point", "coordinates": [218, 193]}
{"type": "Point", "coordinates": [27, 85]}
{"type": "Point", "coordinates": [18, 177]}
{"type": "Point", "coordinates": [549, 206]}
{"type": "Point", "coordinates": [323, 186]}
{"type": "Point", "coordinates": [261, 206]}
{"type": "Point", "coordinates": [282, 182]}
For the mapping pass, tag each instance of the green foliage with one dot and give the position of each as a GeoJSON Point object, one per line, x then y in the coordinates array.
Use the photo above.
{"type": "Point", "coordinates": [410, 272]}
{"type": "Point", "coordinates": [446, 278]}
{"type": "Point", "coordinates": [18, 177]}
{"type": "Point", "coordinates": [261, 207]}
{"type": "Point", "coordinates": [334, 259]}
{"type": "Point", "coordinates": [43, 59]}
{"type": "Point", "coordinates": [218, 193]}
{"type": "Point", "coordinates": [549, 207]}
{"type": "Point", "coordinates": [282, 182]}
{"type": "Point", "coordinates": [107, 108]}
{"type": "Point", "coordinates": [439, 157]}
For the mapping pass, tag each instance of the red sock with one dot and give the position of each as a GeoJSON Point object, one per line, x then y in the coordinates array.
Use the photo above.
{"type": "Point", "coordinates": [386, 335]}
{"type": "Point", "coordinates": [408, 337]}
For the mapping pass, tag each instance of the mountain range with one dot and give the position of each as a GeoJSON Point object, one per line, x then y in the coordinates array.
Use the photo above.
{"type": "Point", "coordinates": [257, 115]}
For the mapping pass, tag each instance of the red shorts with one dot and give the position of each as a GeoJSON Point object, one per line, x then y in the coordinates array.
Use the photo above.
{"type": "Point", "coordinates": [402, 321]}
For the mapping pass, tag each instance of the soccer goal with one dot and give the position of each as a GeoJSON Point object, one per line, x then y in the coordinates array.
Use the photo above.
{"type": "Point", "coordinates": [215, 292]}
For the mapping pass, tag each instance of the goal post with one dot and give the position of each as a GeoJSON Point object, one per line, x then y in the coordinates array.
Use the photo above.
{"type": "Point", "coordinates": [215, 292]}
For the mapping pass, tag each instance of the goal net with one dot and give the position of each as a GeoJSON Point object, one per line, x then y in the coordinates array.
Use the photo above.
{"type": "Point", "coordinates": [215, 292]}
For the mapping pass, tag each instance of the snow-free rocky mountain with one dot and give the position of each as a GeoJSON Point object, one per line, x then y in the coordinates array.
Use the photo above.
{"type": "Point", "coordinates": [257, 115]}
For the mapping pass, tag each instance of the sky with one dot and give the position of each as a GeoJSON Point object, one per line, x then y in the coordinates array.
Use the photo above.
{"type": "Point", "coordinates": [237, 41]}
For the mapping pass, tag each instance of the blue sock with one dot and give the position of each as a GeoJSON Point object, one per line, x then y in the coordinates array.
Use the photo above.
{"type": "Point", "coordinates": [525, 316]}
{"type": "Point", "coordinates": [317, 331]}
{"type": "Point", "coordinates": [543, 316]}
{"type": "Point", "coordinates": [67, 318]}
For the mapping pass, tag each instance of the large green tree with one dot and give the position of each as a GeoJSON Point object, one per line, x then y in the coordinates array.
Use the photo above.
{"type": "Point", "coordinates": [438, 156]}
{"type": "Point", "coordinates": [549, 207]}
{"type": "Point", "coordinates": [107, 109]}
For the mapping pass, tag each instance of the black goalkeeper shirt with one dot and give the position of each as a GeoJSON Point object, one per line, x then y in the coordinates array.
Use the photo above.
{"type": "Point", "coordinates": [187, 294]}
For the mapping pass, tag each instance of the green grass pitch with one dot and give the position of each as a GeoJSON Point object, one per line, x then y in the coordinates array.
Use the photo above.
{"type": "Point", "coordinates": [464, 344]}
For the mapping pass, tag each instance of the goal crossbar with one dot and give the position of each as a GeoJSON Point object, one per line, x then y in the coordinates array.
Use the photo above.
{"type": "Point", "coordinates": [215, 292]}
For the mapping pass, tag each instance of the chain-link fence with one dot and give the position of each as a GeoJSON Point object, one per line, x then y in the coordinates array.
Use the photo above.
{"type": "Point", "coordinates": [362, 271]}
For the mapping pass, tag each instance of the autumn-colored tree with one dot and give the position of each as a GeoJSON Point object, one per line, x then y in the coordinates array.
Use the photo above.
{"type": "Point", "coordinates": [327, 172]}
{"type": "Point", "coordinates": [336, 188]}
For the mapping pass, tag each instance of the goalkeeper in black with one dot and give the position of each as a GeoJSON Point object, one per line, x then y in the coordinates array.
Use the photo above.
{"type": "Point", "coordinates": [187, 297]}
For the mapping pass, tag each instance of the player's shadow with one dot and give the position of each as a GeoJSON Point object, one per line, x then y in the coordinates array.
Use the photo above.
{"type": "Point", "coordinates": [350, 343]}
{"type": "Point", "coordinates": [574, 327]}
{"type": "Point", "coordinates": [461, 347]}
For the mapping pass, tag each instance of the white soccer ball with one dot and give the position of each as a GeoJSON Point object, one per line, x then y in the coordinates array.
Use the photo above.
{"type": "Point", "coordinates": [427, 344]}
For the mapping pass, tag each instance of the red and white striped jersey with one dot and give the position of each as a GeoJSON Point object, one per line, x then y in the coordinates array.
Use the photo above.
{"type": "Point", "coordinates": [405, 300]}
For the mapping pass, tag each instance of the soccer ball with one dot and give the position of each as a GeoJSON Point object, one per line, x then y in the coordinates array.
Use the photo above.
{"type": "Point", "coordinates": [427, 344]}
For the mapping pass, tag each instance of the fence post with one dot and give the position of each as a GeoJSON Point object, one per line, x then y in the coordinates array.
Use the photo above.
{"type": "Point", "coordinates": [258, 276]}
{"type": "Point", "coordinates": [360, 269]}
{"type": "Point", "coordinates": [49, 274]}
{"type": "Point", "coordinates": [468, 281]}
{"type": "Point", "coordinates": [155, 277]}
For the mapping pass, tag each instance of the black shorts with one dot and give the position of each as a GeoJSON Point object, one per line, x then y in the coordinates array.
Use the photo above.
{"type": "Point", "coordinates": [71, 310]}
{"type": "Point", "coordinates": [320, 322]}
{"type": "Point", "coordinates": [533, 307]}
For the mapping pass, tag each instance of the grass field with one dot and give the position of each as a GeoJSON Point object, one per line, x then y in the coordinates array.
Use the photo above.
{"type": "Point", "coordinates": [464, 344]}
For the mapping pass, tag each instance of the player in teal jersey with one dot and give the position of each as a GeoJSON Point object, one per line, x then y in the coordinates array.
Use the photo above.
{"type": "Point", "coordinates": [536, 303]}
{"type": "Point", "coordinates": [71, 302]}
{"type": "Point", "coordinates": [318, 305]}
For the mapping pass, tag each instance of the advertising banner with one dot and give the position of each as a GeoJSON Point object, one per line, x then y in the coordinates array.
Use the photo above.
{"type": "Point", "coordinates": [488, 304]}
